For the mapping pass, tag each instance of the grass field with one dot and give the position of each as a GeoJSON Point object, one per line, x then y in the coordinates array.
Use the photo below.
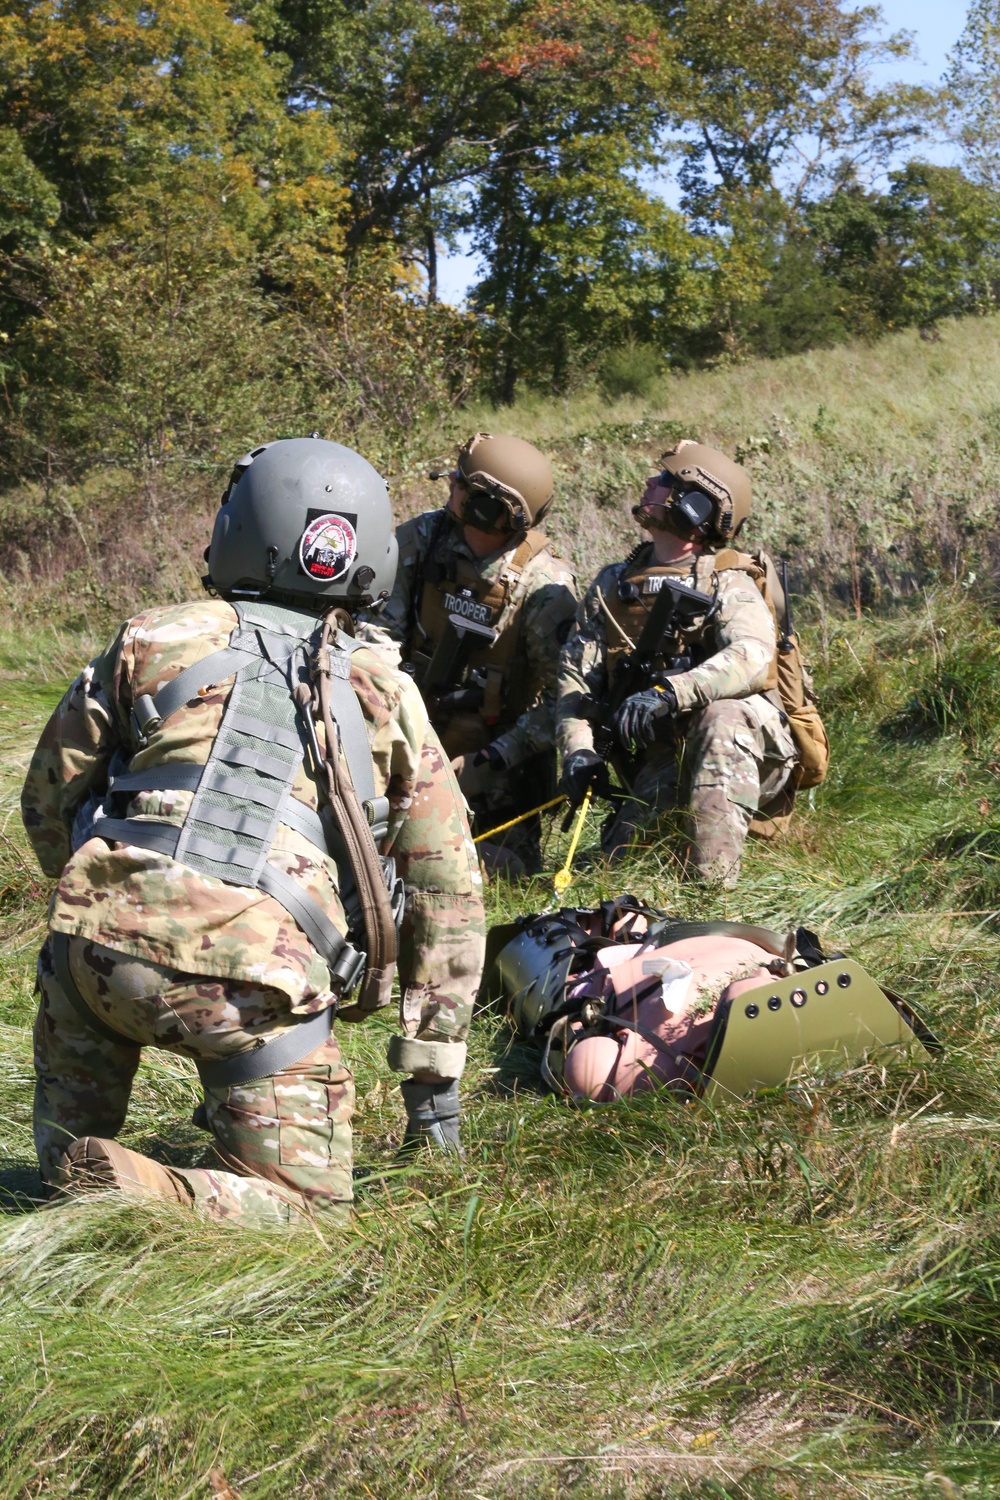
{"type": "Point", "coordinates": [795, 1296]}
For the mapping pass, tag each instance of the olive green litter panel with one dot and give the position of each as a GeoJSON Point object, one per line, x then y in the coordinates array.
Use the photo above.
{"type": "Point", "coordinates": [821, 1016]}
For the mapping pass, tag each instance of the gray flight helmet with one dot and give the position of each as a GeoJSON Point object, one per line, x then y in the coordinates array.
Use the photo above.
{"type": "Point", "coordinates": [304, 521]}
{"type": "Point", "coordinates": [534, 974]}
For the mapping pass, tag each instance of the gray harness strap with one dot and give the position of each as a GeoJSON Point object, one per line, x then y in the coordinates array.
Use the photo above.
{"type": "Point", "coordinates": [148, 713]}
{"type": "Point", "coordinates": [353, 733]}
{"type": "Point", "coordinates": [243, 792]}
{"type": "Point", "coordinates": [269, 1057]}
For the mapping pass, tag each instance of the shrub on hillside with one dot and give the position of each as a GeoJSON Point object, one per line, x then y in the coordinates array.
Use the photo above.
{"type": "Point", "coordinates": [633, 370]}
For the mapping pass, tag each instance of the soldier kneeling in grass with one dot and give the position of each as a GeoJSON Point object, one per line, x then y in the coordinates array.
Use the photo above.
{"type": "Point", "coordinates": [251, 817]}
{"type": "Point", "coordinates": [478, 611]}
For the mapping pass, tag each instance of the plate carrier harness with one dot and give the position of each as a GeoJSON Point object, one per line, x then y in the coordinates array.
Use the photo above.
{"type": "Point", "coordinates": [789, 684]}
{"type": "Point", "coordinates": [535, 962]}
{"type": "Point", "coordinates": [505, 697]}
{"type": "Point", "coordinates": [244, 791]}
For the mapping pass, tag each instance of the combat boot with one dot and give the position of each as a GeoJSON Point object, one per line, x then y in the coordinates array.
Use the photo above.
{"type": "Point", "coordinates": [91, 1162]}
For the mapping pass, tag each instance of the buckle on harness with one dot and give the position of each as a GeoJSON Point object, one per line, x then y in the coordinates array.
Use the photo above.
{"type": "Point", "coordinates": [346, 973]}
{"type": "Point", "coordinates": [377, 813]}
{"type": "Point", "coordinates": [144, 718]}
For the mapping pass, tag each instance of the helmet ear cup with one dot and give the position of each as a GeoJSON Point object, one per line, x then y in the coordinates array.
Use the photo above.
{"type": "Point", "coordinates": [691, 511]}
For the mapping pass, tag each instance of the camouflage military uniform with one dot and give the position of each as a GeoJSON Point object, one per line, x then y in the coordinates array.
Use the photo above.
{"type": "Point", "coordinates": [517, 719]}
{"type": "Point", "coordinates": [172, 958]}
{"type": "Point", "coordinates": [732, 752]}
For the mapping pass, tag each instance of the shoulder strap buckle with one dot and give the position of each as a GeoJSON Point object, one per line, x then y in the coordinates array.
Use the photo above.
{"type": "Point", "coordinates": [346, 973]}
{"type": "Point", "coordinates": [144, 718]}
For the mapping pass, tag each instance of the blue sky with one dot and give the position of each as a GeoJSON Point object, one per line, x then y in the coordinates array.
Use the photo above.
{"type": "Point", "coordinates": [937, 25]}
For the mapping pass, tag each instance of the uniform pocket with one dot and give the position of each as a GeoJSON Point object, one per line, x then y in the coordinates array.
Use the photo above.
{"type": "Point", "coordinates": [314, 1117]}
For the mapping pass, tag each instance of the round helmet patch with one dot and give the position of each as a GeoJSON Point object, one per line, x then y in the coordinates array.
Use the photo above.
{"type": "Point", "coordinates": [328, 547]}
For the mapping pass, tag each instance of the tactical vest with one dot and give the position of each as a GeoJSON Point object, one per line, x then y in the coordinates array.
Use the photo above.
{"type": "Point", "coordinates": [243, 791]}
{"type": "Point", "coordinates": [457, 587]}
{"type": "Point", "coordinates": [788, 684]}
{"type": "Point", "coordinates": [638, 586]}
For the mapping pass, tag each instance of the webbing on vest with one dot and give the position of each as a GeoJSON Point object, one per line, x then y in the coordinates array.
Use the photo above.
{"type": "Point", "coordinates": [506, 693]}
{"type": "Point", "coordinates": [629, 607]}
{"type": "Point", "coordinates": [243, 791]}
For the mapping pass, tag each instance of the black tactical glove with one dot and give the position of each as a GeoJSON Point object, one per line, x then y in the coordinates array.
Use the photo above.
{"type": "Point", "coordinates": [581, 769]}
{"type": "Point", "coordinates": [642, 715]}
{"type": "Point", "coordinates": [432, 1115]}
{"type": "Point", "coordinates": [493, 756]}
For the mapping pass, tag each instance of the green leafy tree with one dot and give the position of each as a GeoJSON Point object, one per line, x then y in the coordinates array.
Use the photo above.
{"type": "Point", "coordinates": [435, 101]}
{"type": "Point", "coordinates": [580, 259]}
{"type": "Point", "coordinates": [972, 81]}
{"type": "Point", "coordinates": [104, 97]}
{"type": "Point", "coordinates": [174, 272]}
{"type": "Point", "coordinates": [775, 95]}
{"type": "Point", "coordinates": [29, 204]}
{"type": "Point", "coordinates": [927, 249]}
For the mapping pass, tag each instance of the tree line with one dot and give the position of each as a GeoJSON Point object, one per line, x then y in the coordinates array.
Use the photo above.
{"type": "Point", "coordinates": [222, 219]}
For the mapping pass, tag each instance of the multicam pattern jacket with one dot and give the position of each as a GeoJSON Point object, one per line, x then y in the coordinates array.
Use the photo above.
{"type": "Point", "coordinates": [149, 905]}
{"type": "Point", "coordinates": [546, 595]}
{"type": "Point", "coordinates": [740, 640]}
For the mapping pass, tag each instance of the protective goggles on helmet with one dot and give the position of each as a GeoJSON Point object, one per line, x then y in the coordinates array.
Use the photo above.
{"type": "Point", "coordinates": [488, 506]}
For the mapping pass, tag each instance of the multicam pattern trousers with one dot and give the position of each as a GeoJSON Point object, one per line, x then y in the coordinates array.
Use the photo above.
{"type": "Point", "coordinates": [721, 771]}
{"type": "Point", "coordinates": [283, 1143]}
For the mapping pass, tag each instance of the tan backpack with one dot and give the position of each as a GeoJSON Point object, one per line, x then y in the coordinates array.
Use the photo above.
{"type": "Point", "coordinates": [791, 679]}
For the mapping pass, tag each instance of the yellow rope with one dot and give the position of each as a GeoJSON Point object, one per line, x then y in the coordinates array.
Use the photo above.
{"type": "Point", "coordinates": [502, 827]}
{"type": "Point", "coordinates": [563, 878]}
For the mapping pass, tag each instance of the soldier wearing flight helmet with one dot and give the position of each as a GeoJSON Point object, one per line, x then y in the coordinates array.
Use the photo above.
{"type": "Point", "coordinates": [253, 825]}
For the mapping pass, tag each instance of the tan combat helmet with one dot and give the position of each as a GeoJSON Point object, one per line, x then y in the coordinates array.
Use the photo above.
{"type": "Point", "coordinates": [508, 480]}
{"type": "Point", "coordinates": [695, 467]}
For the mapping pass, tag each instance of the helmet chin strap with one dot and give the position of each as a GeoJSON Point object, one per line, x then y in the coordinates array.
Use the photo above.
{"type": "Point", "coordinates": [649, 520]}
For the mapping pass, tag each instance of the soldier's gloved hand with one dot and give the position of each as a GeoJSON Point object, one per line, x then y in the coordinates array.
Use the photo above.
{"type": "Point", "coordinates": [581, 769]}
{"type": "Point", "coordinates": [432, 1115]}
{"type": "Point", "coordinates": [477, 772]}
{"type": "Point", "coordinates": [642, 715]}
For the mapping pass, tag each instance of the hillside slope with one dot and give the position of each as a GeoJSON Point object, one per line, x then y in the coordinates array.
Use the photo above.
{"type": "Point", "coordinates": [875, 468]}
{"type": "Point", "coordinates": [795, 1296]}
